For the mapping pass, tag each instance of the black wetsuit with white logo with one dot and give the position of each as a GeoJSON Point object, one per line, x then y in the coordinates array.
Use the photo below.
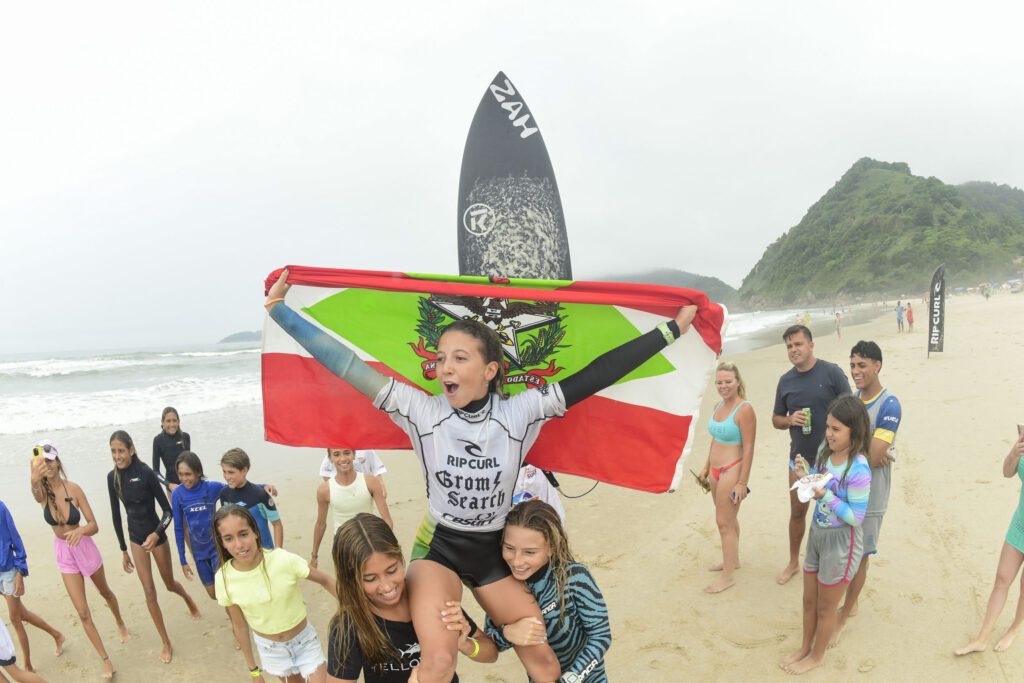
{"type": "Point", "coordinates": [140, 491]}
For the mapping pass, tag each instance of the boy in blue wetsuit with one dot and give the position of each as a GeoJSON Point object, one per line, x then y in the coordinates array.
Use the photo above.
{"type": "Point", "coordinates": [235, 466]}
{"type": "Point", "coordinates": [192, 504]}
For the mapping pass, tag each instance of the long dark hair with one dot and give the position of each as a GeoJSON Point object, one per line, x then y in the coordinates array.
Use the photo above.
{"type": "Point", "coordinates": [167, 411]}
{"type": "Point", "coordinates": [850, 411]}
{"type": "Point", "coordinates": [126, 439]}
{"type": "Point", "coordinates": [490, 347]}
{"type": "Point", "coordinates": [356, 540]}
{"type": "Point", "coordinates": [50, 497]}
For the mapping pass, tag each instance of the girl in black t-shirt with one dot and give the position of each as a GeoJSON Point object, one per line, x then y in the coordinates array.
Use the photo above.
{"type": "Point", "coordinates": [372, 633]}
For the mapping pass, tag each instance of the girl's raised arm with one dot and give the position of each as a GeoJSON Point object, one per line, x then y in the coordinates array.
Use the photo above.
{"type": "Point", "coordinates": [331, 353]}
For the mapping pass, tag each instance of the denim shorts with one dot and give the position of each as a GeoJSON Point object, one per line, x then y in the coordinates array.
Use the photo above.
{"type": "Point", "coordinates": [7, 582]}
{"type": "Point", "coordinates": [300, 655]}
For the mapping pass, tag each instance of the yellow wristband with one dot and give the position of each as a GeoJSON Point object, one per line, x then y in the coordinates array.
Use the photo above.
{"type": "Point", "coordinates": [476, 648]}
{"type": "Point", "coordinates": [256, 673]}
{"type": "Point", "coordinates": [273, 301]}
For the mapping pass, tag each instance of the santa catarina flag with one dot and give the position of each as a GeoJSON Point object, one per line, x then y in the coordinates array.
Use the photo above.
{"type": "Point", "coordinates": [635, 433]}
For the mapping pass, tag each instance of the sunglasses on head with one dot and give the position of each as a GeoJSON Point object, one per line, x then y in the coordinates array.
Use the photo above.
{"type": "Point", "coordinates": [45, 448]}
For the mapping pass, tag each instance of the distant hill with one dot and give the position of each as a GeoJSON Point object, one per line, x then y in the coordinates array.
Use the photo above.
{"type": "Point", "coordinates": [881, 230]}
{"type": "Point", "coordinates": [712, 286]}
{"type": "Point", "coordinates": [242, 337]}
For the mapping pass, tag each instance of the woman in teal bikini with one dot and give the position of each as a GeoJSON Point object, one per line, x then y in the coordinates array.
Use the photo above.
{"type": "Point", "coordinates": [733, 427]}
{"type": "Point", "coordinates": [1010, 560]}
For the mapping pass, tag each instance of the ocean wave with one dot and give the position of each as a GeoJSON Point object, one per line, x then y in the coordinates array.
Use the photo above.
{"type": "Point", "coordinates": [33, 413]}
{"type": "Point", "coordinates": [63, 367]}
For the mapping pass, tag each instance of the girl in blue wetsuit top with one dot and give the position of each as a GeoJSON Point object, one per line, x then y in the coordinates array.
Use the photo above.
{"type": "Point", "coordinates": [192, 504]}
{"type": "Point", "coordinates": [575, 616]}
{"type": "Point", "coordinates": [471, 441]}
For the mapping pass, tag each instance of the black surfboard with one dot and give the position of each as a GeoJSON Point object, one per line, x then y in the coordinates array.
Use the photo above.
{"type": "Point", "coordinates": [510, 220]}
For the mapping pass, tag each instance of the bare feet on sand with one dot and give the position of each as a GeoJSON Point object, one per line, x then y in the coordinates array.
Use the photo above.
{"type": "Point", "coordinates": [1006, 641]}
{"type": "Point", "coordinates": [123, 634]}
{"type": "Point", "coordinates": [720, 585]}
{"type": "Point", "coordinates": [804, 665]}
{"type": "Point", "coordinates": [166, 653]}
{"type": "Point", "coordinates": [794, 658]}
{"type": "Point", "coordinates": [58, 645]}
{"type": "Point", "coordinates": [193, 610]}
{"type": "Point", "coordinates": [786, 574]}
{"type": "Point", "coordinates": [840, 625]}
{"type": "Point", "coordinates": [108, 668]}
{"type": "Point", "coordinates": [973, 646]}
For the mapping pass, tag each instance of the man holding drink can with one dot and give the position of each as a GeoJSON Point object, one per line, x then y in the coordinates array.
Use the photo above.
{"type": "Point", "coordinates": [802, 398]}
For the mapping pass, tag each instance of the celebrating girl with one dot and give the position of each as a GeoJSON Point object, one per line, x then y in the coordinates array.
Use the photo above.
{"type": "Point", "coordinates": [728, 467]}
{"type": "Point", "coordinates": [134, 484]}
{"type": "Point", "coordinates": [471, 442]}
{"type": "Point", "coordinates": [65, 507]}
{"type": "Point", "coordinates": [575, 616]}
{"type": "Point", "coordinates": [260, 588]}
{"type": "Point", "coordinates": [373, 633]}
{"type": "Point", "coordinates": [835, 543]}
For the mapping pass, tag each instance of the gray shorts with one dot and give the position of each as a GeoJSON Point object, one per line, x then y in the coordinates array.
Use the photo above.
{"type": "Point", "coordinates": [834, 554]}
{"type": "Point", "coordinates": [872, 527]}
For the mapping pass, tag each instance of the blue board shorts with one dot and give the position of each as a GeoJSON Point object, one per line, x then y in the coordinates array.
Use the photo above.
{"type": "Point", "coordinates": [207, 568]}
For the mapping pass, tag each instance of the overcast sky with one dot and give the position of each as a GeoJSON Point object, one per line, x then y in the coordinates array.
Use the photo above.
{"type": "Point", "coordinates": [157, 160]}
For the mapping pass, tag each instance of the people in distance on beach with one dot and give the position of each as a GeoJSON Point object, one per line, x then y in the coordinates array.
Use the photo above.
{"type": "Point", "coordinates": [366, 461]}
{"type": "Point", "coordinates": [885, 413]}
{"type": "Point", "coordinates": [811, 383]}
{"type": "Point", "coordinates": [8, 661]}
{"type": "Point", "coordinates": [575, 622]}
{"type": "Point", "coordinates": [899, 316]}
{"type": "Point", "coordinates": [133, 484]}
{"type": "Point", "coordinates": [345, 495]}
{"type": "Point", "coordinates": [839, 325]}
{"type": "Point", "coordinates": [372, 633]}
{"type": "Point", "coordinates": [167, 446]}
{"type": "Point", "coordinates": [910, 317]}
{"type": "Point", "coordinates": [733, 428]}
{"type": "Point", "coordinates": [460, 537]}
{"type": "Point", "coordinates": [67, 511]}
{"type": "Point", "coordinates": [835, 542]}
{"type": "Point", "coordinates": [533, 483]}
{"type": "Point", "coordinates": [13, 571]}
{"type": "Point", "coordinates": [1010, 559]}
{"type": "Point", "coordinates": [235, 465]}
{"type": "Point", "coordinates": [260, 589]}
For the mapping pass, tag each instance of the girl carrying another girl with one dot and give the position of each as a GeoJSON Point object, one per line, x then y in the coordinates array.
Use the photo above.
{"type": "Point", "coordinates": [728, 467]}
{"type": "Point", "coordinates": [575, 616]}
{"type": "Point", "coordinates": [65, 507]}
{"type": "Point", "coordinates": [835, 543]}
{"type": "Point", "coordinates": [373, 633]}
{"type": "Point", "coordinates": [134, 484]}
{"type": "Point", "coordinates": [261, 588]}
{"type": "Point", "coordinates": [471, 442]}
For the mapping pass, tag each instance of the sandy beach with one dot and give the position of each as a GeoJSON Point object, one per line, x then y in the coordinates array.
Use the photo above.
{"type": "Point", "coordinates": [925, 595]}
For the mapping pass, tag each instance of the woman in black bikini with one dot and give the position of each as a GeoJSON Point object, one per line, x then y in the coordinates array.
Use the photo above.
{"type": "Point", "coordinates": [64, 508]}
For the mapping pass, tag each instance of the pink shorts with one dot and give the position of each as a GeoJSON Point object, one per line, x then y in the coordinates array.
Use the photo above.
{"type": "Point", "coordinates": [82, 559]}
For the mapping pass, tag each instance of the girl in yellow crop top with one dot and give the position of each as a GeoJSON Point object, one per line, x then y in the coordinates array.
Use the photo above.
{"type": "Point", "coordinates": [261, 587]}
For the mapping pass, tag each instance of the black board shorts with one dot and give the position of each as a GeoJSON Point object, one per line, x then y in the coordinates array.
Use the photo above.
{"type": "Point", "coordinates": [475, 557]}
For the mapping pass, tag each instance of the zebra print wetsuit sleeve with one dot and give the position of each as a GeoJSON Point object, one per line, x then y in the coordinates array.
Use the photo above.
{"type": "Point", "coordinates": [594, 628]}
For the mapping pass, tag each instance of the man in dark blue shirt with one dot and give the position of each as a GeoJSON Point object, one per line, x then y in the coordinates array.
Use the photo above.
{"type": "Point", "coordinates": [810, 383]}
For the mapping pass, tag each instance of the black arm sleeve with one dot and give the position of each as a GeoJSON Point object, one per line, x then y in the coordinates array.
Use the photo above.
{"type": "Point", "coordinates": [610, 367]}
{"type": "Point", "coordinates": [156, 454]}
{"type": "Point", "coordinates": [161, 500]}
{"type": "Point", "coordinates": [115, 512]}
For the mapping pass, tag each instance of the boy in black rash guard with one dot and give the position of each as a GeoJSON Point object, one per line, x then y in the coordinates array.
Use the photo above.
{"type": "Point", "coordinates": [167, 446]}
{"type": "Point", "coordinates": [471, 442]}
{"type": "Point", "coordinates": [134, 484]}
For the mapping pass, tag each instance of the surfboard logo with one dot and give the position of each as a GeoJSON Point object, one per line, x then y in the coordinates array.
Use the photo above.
{"type": "Point", "coordinates": [529, 331]}
{"type": "Point", "coordinates": [513, 107]}
{"type": "Point", "coordinates": [479, 219]}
